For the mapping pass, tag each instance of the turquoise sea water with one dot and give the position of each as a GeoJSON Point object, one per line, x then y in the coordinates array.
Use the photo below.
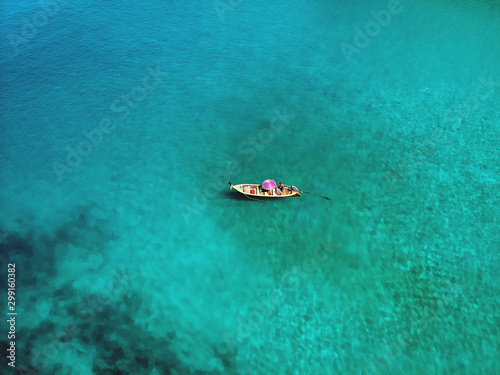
{"type": "Point", "coordinates": [121, 123]}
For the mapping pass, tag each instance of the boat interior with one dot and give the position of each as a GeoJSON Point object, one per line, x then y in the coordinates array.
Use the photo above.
{"type": "Point", "coordinates": [257, 190]}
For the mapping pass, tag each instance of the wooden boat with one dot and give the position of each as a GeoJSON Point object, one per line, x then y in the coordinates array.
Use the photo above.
{"type": "Point", "coordinates": [256, 191]}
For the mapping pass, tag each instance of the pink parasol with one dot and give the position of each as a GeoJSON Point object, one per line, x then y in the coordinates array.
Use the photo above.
{"type": "Point", "coordinates": [269, 185]}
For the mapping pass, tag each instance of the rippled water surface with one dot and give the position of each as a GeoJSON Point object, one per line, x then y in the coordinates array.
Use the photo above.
{"type": "Point", "coordinates": [121, 124]}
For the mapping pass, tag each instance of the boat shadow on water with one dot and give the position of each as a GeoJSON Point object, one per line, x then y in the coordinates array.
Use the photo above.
{"type": "Point", "coordinates": [233, 196]}
{"type": "Point", "coordinates": [240, 197]}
